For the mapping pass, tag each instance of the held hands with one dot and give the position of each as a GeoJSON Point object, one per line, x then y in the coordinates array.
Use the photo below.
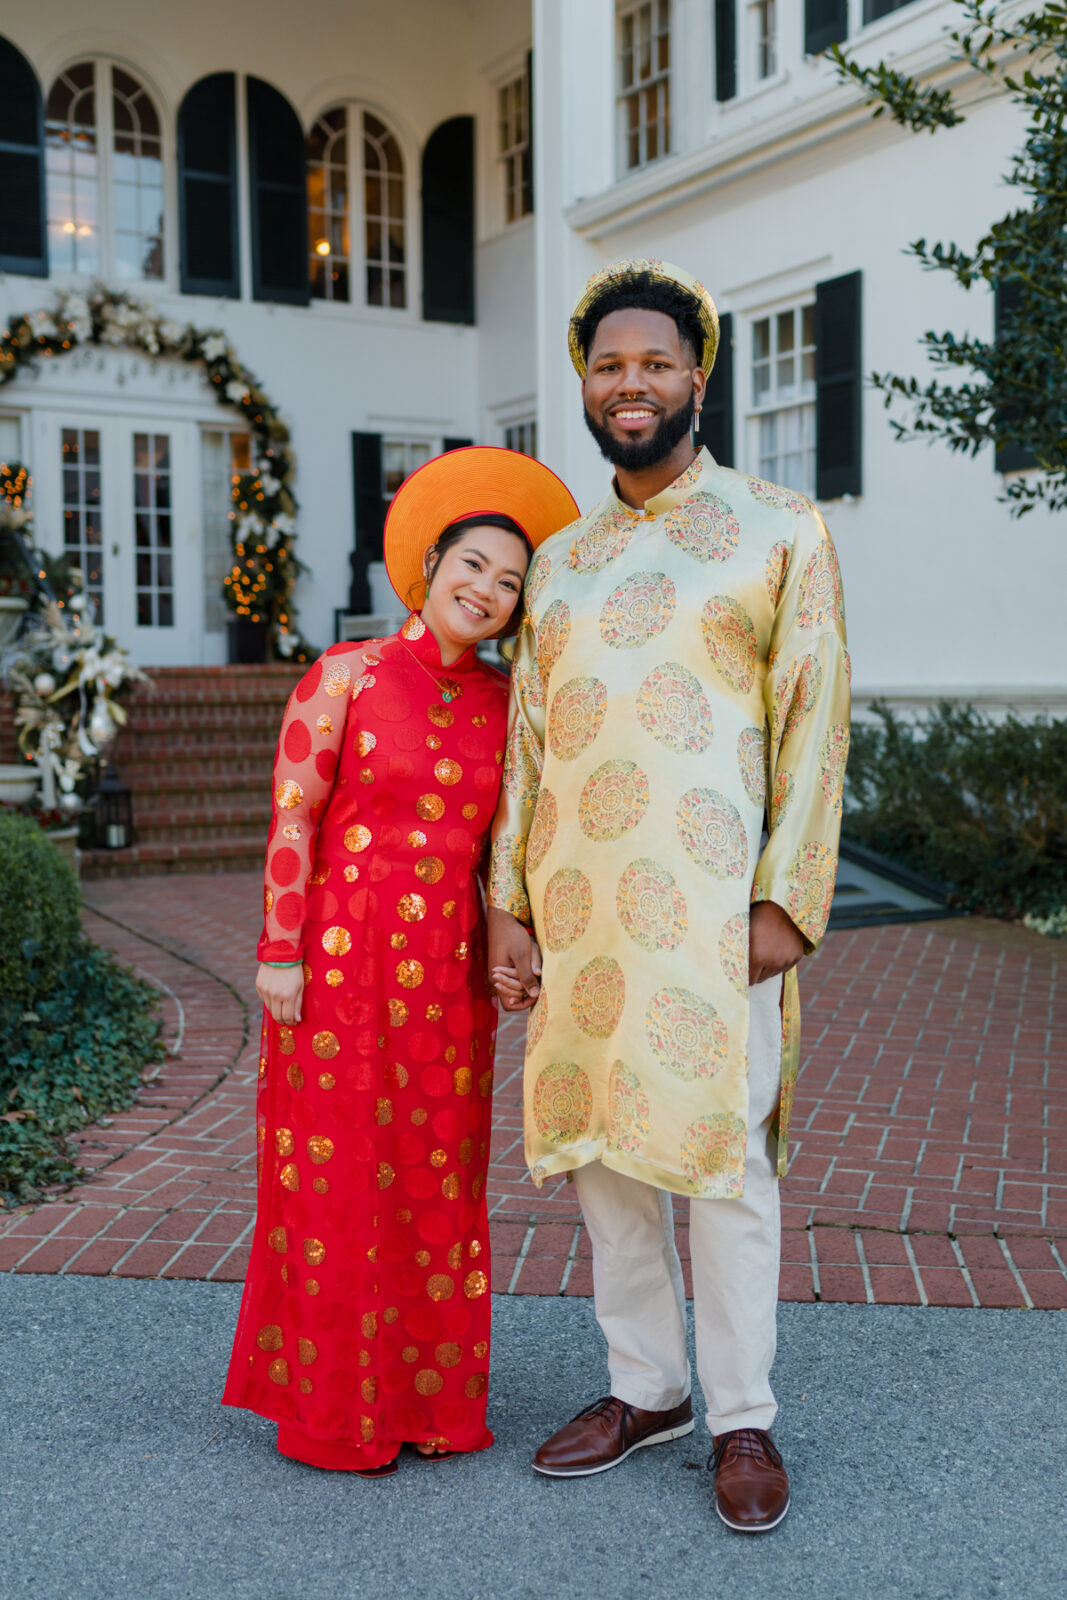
{"type": "Point", "coordinates": [774, 942]}
{"type": "Point", "coordinates": [281, 990]}
{"type": "Point", "coordinates": [514, 961]}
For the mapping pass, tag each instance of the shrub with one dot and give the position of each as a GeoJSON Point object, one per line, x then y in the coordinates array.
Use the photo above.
{"type": "Point", "coordinates": [79, 1053]}
{"type": "Point", "coordinates": [979, 805]}
{"type": "Point", "coordinates": [40, 911]}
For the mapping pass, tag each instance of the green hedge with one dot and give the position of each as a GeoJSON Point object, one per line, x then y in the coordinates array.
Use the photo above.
{"type": "Point", "coordinates": [77, 1028]}
{"type": "Point", "coordinates": [981, 806]}
{"type": "Point", "coordinates": [40, 911]}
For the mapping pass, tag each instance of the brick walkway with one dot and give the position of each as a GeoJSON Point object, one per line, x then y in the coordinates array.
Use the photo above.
{"type": "Point", "coordinates": [926, 1169]}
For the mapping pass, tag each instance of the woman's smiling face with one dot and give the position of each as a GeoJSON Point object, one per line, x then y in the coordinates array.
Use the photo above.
{"type": "Point", "coordinates": [474, 586]}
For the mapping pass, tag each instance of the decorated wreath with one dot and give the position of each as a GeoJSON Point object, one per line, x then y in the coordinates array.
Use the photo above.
{"type": "Point", "coordinates": [259, 585]}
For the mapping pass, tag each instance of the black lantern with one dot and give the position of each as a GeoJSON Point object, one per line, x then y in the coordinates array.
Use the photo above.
{"type": "Point", "coordinates": [113, 809]}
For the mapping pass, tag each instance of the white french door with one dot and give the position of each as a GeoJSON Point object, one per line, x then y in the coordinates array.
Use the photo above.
{"type": "Point", "coordinates": [117, 494]}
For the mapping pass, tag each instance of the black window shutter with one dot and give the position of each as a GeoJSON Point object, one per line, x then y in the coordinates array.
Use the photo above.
{"type": "Point", "coordinates": [455, 444]}
{"type": "Point", "coordinates": [370, 516]}
{"type": "Point", "coordinates": [717, 412]}
{"type": "Point", "coordinates": [873, 9]}
{"type": "Point", "coordinates": [528, 158]}
{"type": "Point", "coordinates": [448, 223]}
{"type": "Point", "coordinates": [725, 49]}
{"type": "Point", "coordinates": [23, 242]}
{"type": "Point", "coordinates": [278, 188]}
{"type": "Point", "coordinates": [825, 23]}
{"type": "Point", "coordinates": [838, 387]}
{"type": "Point", "coordinates": [207, 188]}
{"type": "Point", "coordinates": [1007, 298]}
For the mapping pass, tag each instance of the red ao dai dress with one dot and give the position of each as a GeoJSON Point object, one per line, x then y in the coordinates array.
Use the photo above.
{"type": "Point", "coordinates": [365, 1317]}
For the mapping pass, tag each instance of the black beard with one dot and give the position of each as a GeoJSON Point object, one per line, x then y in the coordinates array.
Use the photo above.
{"type": "Point", "coordinates": [638, 455]}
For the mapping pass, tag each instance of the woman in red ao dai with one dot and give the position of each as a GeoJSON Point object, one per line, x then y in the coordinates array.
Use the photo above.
{"type": "Point", "coordinates": [364, 1323]}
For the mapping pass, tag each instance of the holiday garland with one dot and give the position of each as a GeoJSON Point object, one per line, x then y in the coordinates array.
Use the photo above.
{"type": "Point", "coordinates": [259, 585]}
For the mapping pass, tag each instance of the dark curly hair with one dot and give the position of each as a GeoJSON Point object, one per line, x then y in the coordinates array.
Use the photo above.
{"type": "Point", "coordinates": [643, 292]}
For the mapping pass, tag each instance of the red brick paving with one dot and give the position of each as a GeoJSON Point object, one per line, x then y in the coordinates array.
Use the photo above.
{"type": "Point", "coordinates": [929, 1131]}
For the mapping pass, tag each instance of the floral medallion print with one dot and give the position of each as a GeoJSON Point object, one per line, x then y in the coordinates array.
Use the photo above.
{"type": "Point", "coordinates": [536, 1022]}
{"type": "Point", "coordinates": [794, 696]}
{"type": "Point", "coordinates": [598, 997]}
{"type": "Point", "coordinates": [774, 570]}
{"type": "Point", "coordinates": [538, 575]}
{"type": "Point", "coordinates": [562, 1102]}
{"type": "Point", "coordinates": [673, 708]}
{"type": "Point", "coordinates": [613, 801]}
{"type": "Point", "coordinates": [542, 829]}
{"type": "Point", "coordinates": [781, 795]}
{"type": "Point", "coordinates": [811, 888]}
{"type": "Point", "coordinates": [575, 715]}
{"type": "Point", "coordinates": [730, 637]}
{"type": "Point", "coordinates": [553, 631]}
{"type": "Point", "coordinates": [605, 538]}
{"type": "Point", "coordinates": [704, 527]}
{"type": "Point", "coordinates": [712, 833]}
{"type": "Point", "coordinates": [832, 758]}
{"type": "Point", "coordinates": [567, 907]}
{"type": "Point", "coordinates": [752, 762]}
{"type": "Point", "coordinates": [531, 691]}
{"type": "Point", "coordinates": [506, 875]}
{"type": "Point", "coordinates": [522, 770]}
{"type": "Point", "coordinates": [628, 1110]}
{"type": "Point", "coordinates": [821, 597]}
{"type": "Point", "coordinates": [733, 951]}
{"type": "Point", "coordinates": [713, 1156]}
{"type": "Point", "coordinates": [772, 494]}
{"type": "Point", "coordinates": [686, 1034]}
{"type": "Point", "coordinates": [651, 907]}
{"type": "Point", "coordinates": [637, 610]}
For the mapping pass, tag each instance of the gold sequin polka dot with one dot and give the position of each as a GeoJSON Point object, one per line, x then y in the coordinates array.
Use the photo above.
{"type": "Point", "coordinates": [422, 1258]}
{"type": "Point", "coordinates": [410, 1353]}
{"type": "Point", "coordinates": [386, 1175]}
{"type": "Point", "coordinates": [441, 716]}
{"type": "Point", "coordinates": [475, 1385]}
{"type": "Point", "coordinates": [288, 794]}
{"type": "Point", "coordinates": [286, 1042]}
{"type": "Point", "coordinates": [433, 742]}
{"type": "Point", "coordinates": [295, 1073]}
{"type": "Point", "coordinates": [337, 941]}
{"type": "Point", "coordinates": [412, 907]}
{"type": "Point", "coordinates": [481, 1350]}
{"type": "Point", "coordinates": [438, 1158]}
{"type": "Point", "coordinates": [357, 838]}
{"type": "Point", "coordinates": [320, 1185]}
{"type": "Point", "coordinates": [427, 1381]}
{"type": "Point", "coordinates": [369, 1390]}
{"type": "Point", "coordinates": [270, 1337]}
{"type": "Point", "coordinates": [324, 724]}
{"type": "Point", "coordinates": [306, 1386]}
{"type": "Point", "coordinates": [419, 1115]}
{"type": "Point", "coordinates": [351, 873]}
{"type": "Point", "coordinates": [314, 1252]}
{"type": "Point", "coordinates": [312, 1285]}
{"type": "Point", "coordinates": [283, 1141]}
{"type": "Point", "coordinates": [368, 1325]}
{"type": "Point", "coordinates": [463, 1079]}
{"type": "Point", "coordinates": [434, 1013]}
{"type": "Point", "coordinates": [289, 1177]}
{"type": "Point", "coordinates": [399, 941]}
{"type": "Point", "coordinates": [325, 1044]}
{"type": "Point", "coordinates": [320, 1149]}
{"type": "Point", "coordinates": [383, 1112]}
{"type": "Point", "coordinates": [336, 678]}
{"type": "Point", "coordinates": [448, 772]}
{"type": "Point", "coordinates": [475, 1284]}
{"type": "Point", "coordinates": [365, 743]}
{"type": "Point", "coordinates": [479, 721]}
{"type": "Point", "coordinates": [449, 908]}
{"type": "Point", "coordinates": [451, 1186]}
{"type": "Point", "coordinates": [366, 1429]}
{"type": "Point", "coordinates": [448, 1355]}
{"type": "Point", "coordinates": [410, 973]}
{"type": "Point", "coordinates": [470, 811]}
{"type": "Point", "coordinates": [278, 1240]}
{"type": "Point", "coordinates": [431, 869]}
{"type": "Point", "coordinates": [416, 838]}
{"type": "Point", "coordinates": [398, 1013]}
{"type": "Point", "coordinates": [278, 1371]}
{"type": "Point", "coordinates": [430, 807]}
{"type": "Point", "coordinates": [291, 831]}
{"type": "Point", "coordinates": [454, 1257]}
{"type": "Point", "coordinates": [439, 1286]}
{"type": "Point", "coordinates": [306, 1352]}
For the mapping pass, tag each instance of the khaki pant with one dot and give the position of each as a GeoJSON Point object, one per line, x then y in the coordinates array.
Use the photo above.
{"type": "Point", "coordinates": [735, 1247]}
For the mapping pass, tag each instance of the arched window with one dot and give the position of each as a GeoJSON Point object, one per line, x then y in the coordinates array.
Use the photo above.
{"type": "Point", "coordinates": [358, 246]}
{"type": "Point", "coordinates": [105, 174]}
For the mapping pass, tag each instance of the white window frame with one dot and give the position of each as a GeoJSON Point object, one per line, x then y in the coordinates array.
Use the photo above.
{"type": "Point", "coordinates": [781, 403]}
{"type": "Point", "coordinates": [634, 13]}
{"type": "Point", "coordinates": [106, 266]}
{"type": "Point", "coordinates": [357, 301]}
{"type": "Point", "coordinates": [762, 41]}
{"type": "Point", "coordinates": [509, 156]}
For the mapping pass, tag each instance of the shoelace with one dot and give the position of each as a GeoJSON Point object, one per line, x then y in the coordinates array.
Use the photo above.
{"type": "Point", "coordinates": [600, 1408]}
{"type": "Point", "coordinates": [751, 1442]}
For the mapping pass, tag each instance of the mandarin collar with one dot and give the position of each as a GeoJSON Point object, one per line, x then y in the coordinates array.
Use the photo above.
{"type": "Point", "coordinates": [419, 639]}
{"type": "Point", "coordinates": [686, 484]}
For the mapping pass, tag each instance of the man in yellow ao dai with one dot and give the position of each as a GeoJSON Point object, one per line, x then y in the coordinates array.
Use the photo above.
{"type": "Point", "coordinates": [680, 680]}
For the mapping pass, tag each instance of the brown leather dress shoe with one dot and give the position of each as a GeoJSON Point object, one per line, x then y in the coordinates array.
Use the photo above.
{"type": "Point", "coordinates": [751, 1486]}
{"type": "Point", "coordinates": [605, 1433]}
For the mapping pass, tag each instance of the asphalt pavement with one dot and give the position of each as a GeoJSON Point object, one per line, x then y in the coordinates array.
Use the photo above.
{"type": "Point", "coordinates": [925, 1448]}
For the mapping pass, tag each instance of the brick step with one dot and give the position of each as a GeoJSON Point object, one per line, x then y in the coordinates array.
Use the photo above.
{"type": "Point", "coordinates": [208, 719]}
{"type": "Point", "coordinates": [155, 785]}
{"type": "Point", "coordinates": [244, 758]}
{"type": "Point", "coordinates": [241, 854]}
{"type": "Point", "coordinates": [178, 824]}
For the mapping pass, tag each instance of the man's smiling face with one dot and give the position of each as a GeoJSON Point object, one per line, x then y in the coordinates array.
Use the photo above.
{"type": "Point", "coordinates": [640, 384]}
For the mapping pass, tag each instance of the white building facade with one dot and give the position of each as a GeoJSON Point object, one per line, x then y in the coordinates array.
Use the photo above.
{"type": "Point", "coordinates": [389, 212]}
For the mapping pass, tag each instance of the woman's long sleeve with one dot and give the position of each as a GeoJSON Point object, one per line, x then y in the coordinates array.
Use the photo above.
{"type": "Point", "coordinates": [309, 747]}
{"type": "Point", "coordinates": [806, 694]}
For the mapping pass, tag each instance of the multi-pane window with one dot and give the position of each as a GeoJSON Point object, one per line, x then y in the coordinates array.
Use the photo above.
{"type": "Point", "coordinates": [781, 445]}
{"type": "Point", "coordinates": [83, 538]}
{"type": "Point", "coordinates": [153, 546]}
{"type": "Point", "coordinates": [516, 156]}
{"type": "Point", "coordinates": [104, 174]}
{"type": "Point", "coordinates": [352, 153]}
{"type": "Point", "coordinates": [644, 81]}
{"type": "Point", "coordinates": [522, 436]}
{"type": "Point", "coordinates": [400, 458]}
{"type": "Point", "coordinates": [225, 456]}
{"type": "Point", "coordinates": [763, 30]}
{"type": "Point", "coordinates": [873, 9]}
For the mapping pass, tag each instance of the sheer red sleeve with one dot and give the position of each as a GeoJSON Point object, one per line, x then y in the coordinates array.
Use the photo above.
{"type": "Point", "coordinates": [304, 765]}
